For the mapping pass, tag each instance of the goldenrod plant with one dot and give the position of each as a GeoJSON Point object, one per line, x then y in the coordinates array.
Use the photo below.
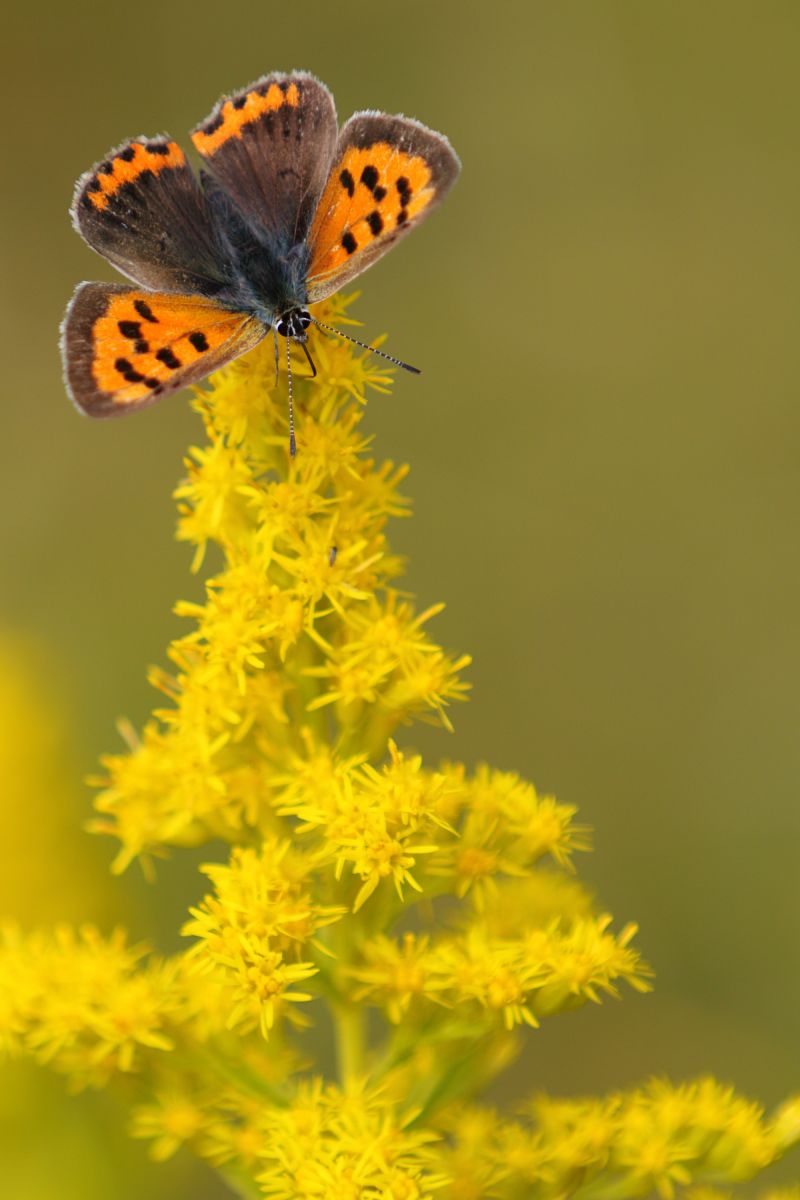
{"type": "Point", "coordinates": [422, 921]}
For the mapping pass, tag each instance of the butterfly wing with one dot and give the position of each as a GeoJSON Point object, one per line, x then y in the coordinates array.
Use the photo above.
{"type": "Point", "coordinates": [388, 174]}
{"type": "Point", "coordinates": [142, 209]}
{"type": "Point", "coordinates": [270, 146]}
{"type": "Point", "coordinates": [124, 348]}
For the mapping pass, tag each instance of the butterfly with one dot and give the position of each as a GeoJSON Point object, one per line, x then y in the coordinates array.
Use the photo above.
{"type": "Point", "coordinates": [287, 209]}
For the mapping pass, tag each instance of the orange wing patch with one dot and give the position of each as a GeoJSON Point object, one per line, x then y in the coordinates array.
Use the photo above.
{"type": "Point", "coordinates": [371, 194]}
{"type": "Point", "coordinates": [128, 164]}
{"type": "Point", "coordinates": [231, 116]}
{"type": "Point", "coordinates": [126, 348]}
{"type": "Point", "coordinates": [142, 340]}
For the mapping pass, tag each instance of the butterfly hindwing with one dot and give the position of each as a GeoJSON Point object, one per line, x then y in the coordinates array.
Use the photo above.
{"type": "Point", "coordinates": [125, 348]}
{"type": "Point", "coordinates": [270, 146]}
{"type": "Point", "coordinates": [388, 174]}
{"type": "Point", "coordinates": [142, 209]}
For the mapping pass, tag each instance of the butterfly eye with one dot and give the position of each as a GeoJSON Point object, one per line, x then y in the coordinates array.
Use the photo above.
{"type": "Point", "coordinates": [304, 318]}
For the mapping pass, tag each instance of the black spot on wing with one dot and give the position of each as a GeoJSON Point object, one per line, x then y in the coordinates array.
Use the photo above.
{"type": "Point", "coordinates": [369, 177]}
{"type": "Point", "coordinates": [128, 371]}
{"type": "Point", "coordinates": [404, 190]}
{"type": "Point", "coordinates": [144, 310]}
{"type": "Point", "coordinates": [349, 242]}
{"type": "Point", "coordinates": [168, 358]}
{"type": "Point", "coordinates": [199, 341]}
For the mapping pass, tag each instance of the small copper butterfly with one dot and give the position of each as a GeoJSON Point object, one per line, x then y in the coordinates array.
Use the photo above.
{"type": "Point", "coordinates": [289, 210]}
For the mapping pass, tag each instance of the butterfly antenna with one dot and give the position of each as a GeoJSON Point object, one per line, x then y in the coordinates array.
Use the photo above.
{"type": "Point", "coordinates": [398, 362]}
{"type": "Point", "coordinates": [292, 443]}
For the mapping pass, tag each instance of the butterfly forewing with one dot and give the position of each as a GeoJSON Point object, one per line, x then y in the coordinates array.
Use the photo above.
{"type": "Point", "coordinates": [125, 348]}
{"type": "Point", "coordinates": [388, 174]}
{"type": "Point", "coordinates": [142, 209]}
{"type": "Point", "coordinates": [271, 147]}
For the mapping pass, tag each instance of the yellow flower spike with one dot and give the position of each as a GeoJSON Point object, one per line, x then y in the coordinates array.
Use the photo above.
{"type": "Point", "coordinates": [427, 916]}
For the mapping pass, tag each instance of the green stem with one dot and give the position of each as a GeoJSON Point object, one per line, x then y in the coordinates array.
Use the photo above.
{"type": "Point", "coordinates": [400, 1048]}
{"type": "Point", "coordinates": [233, 1072]}
{"type": "Point", "coordinates": [307, 654]}
{"type": "Point", "coordinates": [457, 1081]}
{"type": "Point", "coordinates": [349, 1018]}
{"type": "Point", "coordinates": [377, 731]}
{"type": "Point", "coordinates": [348, 1022]}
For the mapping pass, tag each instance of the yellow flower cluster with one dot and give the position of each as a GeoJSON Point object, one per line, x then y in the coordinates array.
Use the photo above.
{"type": "Point", "coordinates": [660, 1140]}
{"type": "Point", "coordinates": [334, 1144]}
{"type": "Point", "coordinates": [302, 644]}
{"type": "Point", "coordinates": [427, 917]}
{"type": "Point", "coordinates": [256, 925]}
{"type": "Point", "coordinates": [82, 1003]}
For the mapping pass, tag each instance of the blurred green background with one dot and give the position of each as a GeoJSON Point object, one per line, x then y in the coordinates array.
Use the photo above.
{"type": "Point", "coordinates": [606, 468]}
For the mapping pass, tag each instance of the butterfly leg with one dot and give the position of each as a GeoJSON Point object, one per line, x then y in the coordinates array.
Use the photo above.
{"type": "Point", "coordinates": [310, 360]}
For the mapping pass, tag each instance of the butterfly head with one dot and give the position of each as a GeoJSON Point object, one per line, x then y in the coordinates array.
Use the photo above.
{"type": "Point", "coordinates": [293, 324]}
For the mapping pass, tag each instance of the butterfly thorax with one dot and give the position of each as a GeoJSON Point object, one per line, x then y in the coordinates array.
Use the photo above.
{"type": "Point", "coordinates": [267, 273]}
{"type": "Point", "coordinates": [268, 280]}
